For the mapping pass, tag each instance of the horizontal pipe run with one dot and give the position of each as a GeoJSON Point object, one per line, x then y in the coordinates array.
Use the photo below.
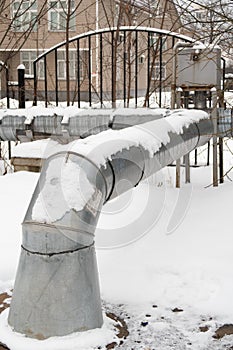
{"type": "Point", "coordinates": [72, 123]}
{"type": "Point", "coordinates": [69, 123]}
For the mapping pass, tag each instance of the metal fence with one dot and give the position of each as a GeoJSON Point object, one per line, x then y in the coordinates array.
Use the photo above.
{"type": "Point", "coordinates": [5, 69]}
{"type": "Point", "coordinates": [108, 64]}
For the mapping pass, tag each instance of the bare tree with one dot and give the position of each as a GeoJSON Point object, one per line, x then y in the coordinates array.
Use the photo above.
{"type": "Point", "coordinates": [17, 28]}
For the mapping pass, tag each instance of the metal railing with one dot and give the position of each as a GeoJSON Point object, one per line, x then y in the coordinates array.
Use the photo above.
{"type": "Point", "coordinates": [119, 63]}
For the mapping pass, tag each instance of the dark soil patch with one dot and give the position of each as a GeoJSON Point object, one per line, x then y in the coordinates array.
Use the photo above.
{"type": "Point", "coordinates": [3, 347]}
{"type": "Point", "coordinates": [226, 329]}
{"type": "Point", "coordinates": [3, 304]}
{"type": "Point", "coordinates": [177, 310]}
{"type": "Point", "coordinates": [3, 307]}
{"type": "Point", "coordinates": [121, 327]}
{"type": "Point", "coordinates": [203, 328]}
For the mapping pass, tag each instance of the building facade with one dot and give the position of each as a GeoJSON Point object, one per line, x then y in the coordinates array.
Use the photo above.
{"type": "Point", "coordinates": [30, 27]}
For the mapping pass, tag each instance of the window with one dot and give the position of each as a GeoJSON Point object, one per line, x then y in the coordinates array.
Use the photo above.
{"type": "Point", "coordinates": [156, 71]}
{"type": "Point", "coordinates": [61, 64]}
{"type": "Point", "coordinates": [156, 7]}
{"type": "Point", "coordinates": [155, 41]}
{"type": "Point", "coordinates": [58, 15]}
{"type": "Point", "coordinates": [27, 58]}
{"type": "Point", "coordinates": [24, 15]}
{"type": "Point", "coordinates": [201, 15]}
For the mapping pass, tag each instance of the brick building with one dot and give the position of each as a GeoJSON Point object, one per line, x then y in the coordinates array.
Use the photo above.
{"type": "Point", "coordinates": [30, 27]}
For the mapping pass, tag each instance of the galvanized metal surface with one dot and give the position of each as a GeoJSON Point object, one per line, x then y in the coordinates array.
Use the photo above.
{"type": "Point", "coordinates": [56, 290]}
{"type": "Point", "coordinates": [57, 270]}
{"type": "Point", "coordinates": [199, 66]}
{"type": "Point", "coordinates": [225, 122]}
{"type": "Point", "coordinates": [83, 122]}
{"type": "Point", "coordinates": [57, 294]}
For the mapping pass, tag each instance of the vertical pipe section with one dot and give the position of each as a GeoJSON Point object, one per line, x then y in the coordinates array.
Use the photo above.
{"type": "Point", "coordinates": [56, 290]}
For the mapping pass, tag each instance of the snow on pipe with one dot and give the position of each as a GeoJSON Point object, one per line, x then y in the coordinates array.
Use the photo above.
{"type": "Point", "coordinates": [71, 122]}
{"type": "Point", "coordinates": [56, 290]}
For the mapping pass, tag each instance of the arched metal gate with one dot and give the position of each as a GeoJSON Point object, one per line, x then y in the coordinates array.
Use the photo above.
{"type": "Point", "coordinates": [106, 65]}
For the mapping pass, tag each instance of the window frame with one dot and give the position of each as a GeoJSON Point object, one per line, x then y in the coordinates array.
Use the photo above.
{"type": "Point", "coordinates": [32, 55]}
{"type": "Point", "coordinates": [19, 15]}
{"type": "Point", "coordinates": [61, 14]}
{"type": "Point", "coordinates": [73, 60]}
{"type": "Point", "coordinates": [156, 71]}
{"type": "Point", "coordinates": [154, 38]}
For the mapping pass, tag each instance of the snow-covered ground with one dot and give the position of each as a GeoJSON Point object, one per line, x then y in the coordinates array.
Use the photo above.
{"type": "Point", "coordinates": [164, 256]}
{"type": "Point", "coordinates": [175, 254]}
{"type": "Point", "coordinates": [154, 102]}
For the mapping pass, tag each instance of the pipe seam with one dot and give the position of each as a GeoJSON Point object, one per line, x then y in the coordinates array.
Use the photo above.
{"type": "Point", "coordinates": [59, 227]}
{"type": "Point", "coordinates": [57, 253]}
{"type": "Point", "coordinates": [143, 170]}
{"type": "Point", "coordinates": [109, 193]}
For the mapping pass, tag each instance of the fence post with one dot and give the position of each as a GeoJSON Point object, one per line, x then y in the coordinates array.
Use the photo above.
{"type": "Point", "coordinates": [215, 139]}
{"type": "Point", "coordinates": [21, 85]}
{"type": "Point", "coordinates": [221, 168]}
{"type": "Point", "coordinates": [7, 88]}
{"type": "Point", "coordinates": [177, 97]}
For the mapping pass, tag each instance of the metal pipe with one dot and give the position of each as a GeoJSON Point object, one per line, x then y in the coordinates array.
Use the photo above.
{"type": "Point", "coordinates": [74, 122]}
{"type": "Point", "coordinates": [56, 290]}
{"type": "Point", "coordinates": [57, 268]}
{"type": "Point", "coordinates": [79, 123]}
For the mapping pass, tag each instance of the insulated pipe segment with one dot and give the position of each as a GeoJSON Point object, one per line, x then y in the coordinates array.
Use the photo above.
{"type": "Point", "coordinates": [51, 225]}
{"type": "Point", "coordinates": [70, 122]}
{"type": "Point", "coordinates": [56, 291]}
{"type": "Point", "coordinates": [136, 164]}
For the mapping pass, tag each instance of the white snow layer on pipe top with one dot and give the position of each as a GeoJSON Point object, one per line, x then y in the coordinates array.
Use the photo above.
{"type": "Point", "coordinates": [72, 111]}
{"type": "Point", "coordinates": [101, 147]}
{"type": "Point", "coordinates": [70, 180]}
{"type": "Point", "coordinates": [32, 112]}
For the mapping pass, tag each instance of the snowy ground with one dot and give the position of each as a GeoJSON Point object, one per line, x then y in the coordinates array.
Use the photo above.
{"type": "Point", "coordinates": [175, 254]}
{"type": "Point", "coordinates": [154, 102]}
{"type": "Point", "coordinates": [164, 256]}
